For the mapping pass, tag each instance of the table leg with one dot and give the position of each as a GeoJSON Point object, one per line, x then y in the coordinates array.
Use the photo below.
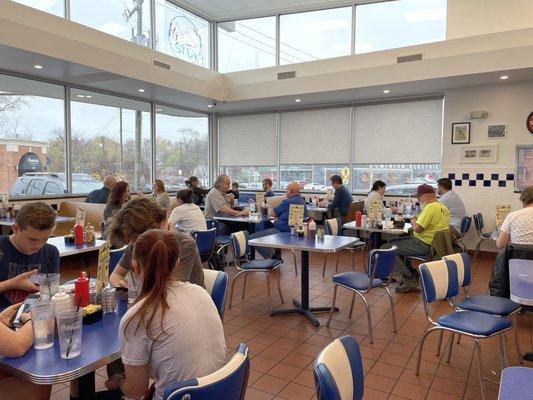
{"type": "Point", "coordinates": [252, 250]}
{"type": "Point", "coordinates": [303, 306]}
{"type": "Point", "coordinates": [86, 386]}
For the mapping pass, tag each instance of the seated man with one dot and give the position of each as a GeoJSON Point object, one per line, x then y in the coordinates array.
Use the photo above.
{"type": "Point", "coordinates": [25, 252]}
{"type": "Point", "coordinates": [342, 198]}
{"type": "Point", "coordinates": [433, 218]}
{"type": "Point", "coordinates": [281, 223]}
{"type": "Point", "coordinates": [234, 190]}
{"type": "Point", "coordinates": [267, 187]}
{"type": "Point", "coordinates": [452, 201]}
{"type": "Point", "coordinates": [100, 195]}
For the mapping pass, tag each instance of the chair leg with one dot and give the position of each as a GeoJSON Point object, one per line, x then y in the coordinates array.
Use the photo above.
{"type": "Point", "coordinates": [332, 305]}
{"type": "Point", "coordinates": [459, 339]}
{"type": "Point", "coordinates": [353, 259]}
{"type": "Point", "coordinates": [503, 352]}
{"type": "Point", "coordinates": [451, 348]}
{"type": "Point", "coordinates": [421, 346]}
{"type": "Point", "coordinates": [337, 264]}
{"type": "Point", "coordinates": [325, 261]}
{"type": "Point", "coordinates": [278, 273]}
{"type": "Point", "coordinates": [480, 369]}
{"type": "Point", "coordinates": [368, 316]}
{"type": "Point", "coordinates": [439, 344]}
{"type": "Point", "coordinates": [478, 246]}
{"type": "Point", "coordinates": [233, 287]}
{"type": "Point", "coordinates": [268, 291]}
{"type": "Point", "coordinates": [244, 285]}
{"type": "Point", "coordinates": [515, 328]}
{"type": "Point", "coordinates": [295, 265]}
{"type": "Point", "coordinates": [351, 306]}
{"type": "Point", "coordinates": [392, 309]}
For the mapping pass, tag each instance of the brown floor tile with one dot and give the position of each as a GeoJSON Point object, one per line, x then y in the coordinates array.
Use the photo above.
{"type": "Point", "coordinates": [270, 384]}
{"type": "Point", "coordinates": [294, 391]}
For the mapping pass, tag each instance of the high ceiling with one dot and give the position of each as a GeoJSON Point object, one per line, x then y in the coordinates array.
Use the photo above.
{"type": "Point", "coordinates": [234, 9]}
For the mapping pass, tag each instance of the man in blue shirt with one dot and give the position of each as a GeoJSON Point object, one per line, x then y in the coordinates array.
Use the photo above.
{"type": "Point", "coordinates": [452, 201]}
{"type": "Point", "coordinates": [267, 187]}
{"type": "Point", "coordinates": [342, 198]}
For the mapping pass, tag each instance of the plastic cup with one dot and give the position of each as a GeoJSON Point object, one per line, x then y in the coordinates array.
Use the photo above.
{"type": "Point", "coordinates": [134, 285]}
{"type": "Point", "coordinates": [69, 324]}
{"type": "Point", "coordinates": [49, 286]}
{"type": "Point", "coordinates": [42, 316]}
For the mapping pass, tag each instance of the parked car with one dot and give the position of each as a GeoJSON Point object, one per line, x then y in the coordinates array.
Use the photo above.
{"type": "Point", "coordinates": [408, 188]}
{"type": "Point", "coordinates": [52, 184]}
{"type": "Point", "coordinates": [315, 187]}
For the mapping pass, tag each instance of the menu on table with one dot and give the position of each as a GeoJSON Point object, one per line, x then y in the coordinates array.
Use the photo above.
{"type": "Point", "coordinates": [80, 216]}
{"type": "Point", "coordinates": [260, 198]}
{"type": "Point", "coordinates": [102, 275]}
{"type": "Point", "coordinates": [501, 213]}
{"type": "Point", "coordinates": [296, 214]}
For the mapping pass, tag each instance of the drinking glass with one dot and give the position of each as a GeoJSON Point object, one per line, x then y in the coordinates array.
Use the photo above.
{"type": "Point", "coordinates": [49, 286]}
{"type": "Point", "coordinates": [42, 317]}
{"type": "Point", "coordinates": [69, 323]}
{"type": "Point", "coordinates": [134, 285]}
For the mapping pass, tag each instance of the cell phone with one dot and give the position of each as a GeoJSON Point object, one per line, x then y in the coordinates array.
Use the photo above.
{"type": "Point", "coordinates": [24, 308]}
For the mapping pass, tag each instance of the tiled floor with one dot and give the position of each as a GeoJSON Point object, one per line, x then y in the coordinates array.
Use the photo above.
{"type": "Point", "coordinates": [283, 348]}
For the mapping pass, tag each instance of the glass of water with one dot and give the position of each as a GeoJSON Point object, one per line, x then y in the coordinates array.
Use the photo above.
{"type": "Point", "coordinates": [49, 285]}
{"type": "Point", "coordinates": [42, 316]}
{"type": "Point", "coordinates": [134, 286]}
{"type": "Point", "coordinates": [69, 323]}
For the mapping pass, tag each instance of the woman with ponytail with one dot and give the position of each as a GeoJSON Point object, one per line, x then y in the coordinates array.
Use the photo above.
{"type": "Point", "coordinates": [172, 332]}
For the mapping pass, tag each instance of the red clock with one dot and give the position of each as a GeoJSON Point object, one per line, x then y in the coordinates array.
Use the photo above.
{"type": "Point", "coordinates": [529, 123]}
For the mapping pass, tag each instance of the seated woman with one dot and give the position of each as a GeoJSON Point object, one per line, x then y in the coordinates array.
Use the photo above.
{"type": "Point", "coordinates": [173, 331]}
{"type": "Point", "coordinates": [518, 225]}
{"type": "Point", "coordinates": [187, 217]}
{"type": "Point", "coordinates": [120, 194]}
{"type": "Point", "coordinates": [159, 194]}
{"type": "Point", "coordinates": [16, 344]}
{"type": "Point", "coordinates": [374, 198]}
{"type": "Point", "coordinates": [135, 218]}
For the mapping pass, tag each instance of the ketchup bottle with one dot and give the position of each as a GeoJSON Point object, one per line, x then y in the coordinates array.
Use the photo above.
{"type": "Point", "coordinates": [78, 234]}
{"type": "Point", "coordinates": [81, 289]}
{"type": "Point", "coordinates": [358, 216]}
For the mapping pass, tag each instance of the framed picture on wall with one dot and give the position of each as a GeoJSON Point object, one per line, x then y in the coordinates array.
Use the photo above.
{"type": "Point", "coordinates": [481, 154]}
{"type": "Point", "coordinates": [524, 167]}
{"type": "Point", "coordinates": [461, 132]}
{"type": "Point", "coordinates": [496, 131]}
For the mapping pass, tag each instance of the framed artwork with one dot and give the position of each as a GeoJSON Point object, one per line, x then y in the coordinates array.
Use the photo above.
{"type": "Point", "coordinates": [496, 131]}
{"type": "Point", "coordinates": [481, 154]}
{"type": "Point", "coordinates": [461, 132]}
{"type": "Point", "coordinates": [524, 167]}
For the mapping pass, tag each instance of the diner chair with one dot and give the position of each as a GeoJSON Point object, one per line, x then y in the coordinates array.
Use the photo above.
{"type": "Point", "coordinates": [515, 383]}
{"type": "Point", "coordinates": [466, 222]}
{"type": "Point", "coordinates": [377, 275]}
{"type": "Point", "coordinates": [206, 242]}
{"type": "Point", "coordinates": [333, 227]}
{"type": "Point", "coordinates": [241, 251]}
{"type": "Point", "coordinates": [114, 257]}
{"type": "Point", "coordinates": [223, 241]}
{"type": "Point", "coordinates": [229, 382]}
{"type": "Point", "coordinates": [486, 304]}
{"type": "Point", "coordinates": [481, 236]}
{"type": "Point", "coordinates": [338, 371]}
{"type": "Point", "coordinates": [216, 284]}
{"type": "Point", "coordinates": [440, 282]}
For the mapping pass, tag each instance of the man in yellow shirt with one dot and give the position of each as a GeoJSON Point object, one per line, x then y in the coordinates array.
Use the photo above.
{"type": "Point", "coordinates": [433, 218]}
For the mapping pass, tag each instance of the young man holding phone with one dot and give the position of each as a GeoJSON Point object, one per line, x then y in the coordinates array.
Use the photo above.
{"type": "Point", "coordinates": [25, 253]}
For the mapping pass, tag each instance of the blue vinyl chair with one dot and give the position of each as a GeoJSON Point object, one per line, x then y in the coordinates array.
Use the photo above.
{"type": "Point", "coordinates": [228, 383]}
{"type": "Point", "coordinates": [466, 222]}
{"type": "Point", "coordinates": [440, 282]}
{"type": "Point", "coordinates": [380, 267]}
{"type": "Point", "coordinates": [483, 303]}
{"type": "Point", "coordinates": [216, 284]}
{"type": "Point", "coordinates": [333, 227]}
{"type": "Point", "coordinates": [223, 241]}
{"type": "Point", "coordinates": [206, 242]}
{"type": "Point", "coordinates": [241, 250]}
{"type": "Point", "coordinates": [114, 257]}
{"type": "Point", "coordinates": [338, 371]}
{"type": "Point", "coordinates": [515, 383]}
{"type": "Point", "coordinates": [481, 236]}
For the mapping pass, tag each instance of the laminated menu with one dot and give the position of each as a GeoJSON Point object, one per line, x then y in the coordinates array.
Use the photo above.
{"type": "Point", "coordinates": [296, 215]}
{"type": "Point", "coordinates": [102, 275]}
{"type": "Point", "coordinates": [80, 216]}
{"type": "Point", "coordinates": [259, 198]}
{"type": "Point", "coordinates": [501, 212]}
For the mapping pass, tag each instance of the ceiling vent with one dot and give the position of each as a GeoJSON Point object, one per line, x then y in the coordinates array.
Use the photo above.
{"type": "Point", "coordinates": [161, 64]}
{"type": "Point", "coordinates": [409, 58]}
{"type": "Point", "coordinates": [286, 75]}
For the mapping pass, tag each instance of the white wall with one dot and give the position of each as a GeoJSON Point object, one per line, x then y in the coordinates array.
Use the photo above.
{"type": "Point", "coordinates": [508, 104]}
{"type": "Point", "coordinates": [476, 17]}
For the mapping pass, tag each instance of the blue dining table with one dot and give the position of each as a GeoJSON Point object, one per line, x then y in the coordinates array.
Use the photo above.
{"type": "Point", "coordinates": [306, 245]}
{"type": "Point", "coordinates": [521, 286]}
{"type": "Point", "coordinates": [100, 346]}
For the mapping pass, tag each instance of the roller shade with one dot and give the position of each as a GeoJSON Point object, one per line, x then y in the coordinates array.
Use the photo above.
{"type": "Point", "coordinates": [408, 132]}
{"type": "Point", "coordinates": [248, 140]}
{"type": "Point", "coordinates": [316, 136]}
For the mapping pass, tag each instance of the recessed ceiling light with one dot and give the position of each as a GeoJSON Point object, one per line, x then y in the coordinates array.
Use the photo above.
{"type": "Point", "coordinates": [2, 92]}
{"type": "Point", "coordinates": [158, 109]}
{"type": "Point", "coordinates": [141, 90]}
{"type": "Point", "coordinates": [504, 77]}
{"type": "Point", "coordinates": [386, 91]}
{"type": "Point", "coordinates": [80, 95]}
{"type": "Point", "coordinates": [210, 106]}
{"type": "Point", "coordinates": [38, 66]}
{"type": "Point", "coordinates": [297, 100]}
{"type": "Point", "coordinates": [89, 97]}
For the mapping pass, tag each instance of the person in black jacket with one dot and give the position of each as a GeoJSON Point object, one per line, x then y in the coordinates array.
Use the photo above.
{"type": "Point", "coordinates": [198, 193]}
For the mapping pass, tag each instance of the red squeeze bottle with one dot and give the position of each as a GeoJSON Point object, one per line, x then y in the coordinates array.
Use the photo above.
{"type": "Point", "coordinates": [78, 234]}
{"type": "Point", "coordinates": [81, 290]}
{"type": "Point", "coordinates": [358, 216]}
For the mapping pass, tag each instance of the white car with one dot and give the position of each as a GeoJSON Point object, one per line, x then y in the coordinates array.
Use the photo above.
{"type": "Point", "coordinates": [315, 187]}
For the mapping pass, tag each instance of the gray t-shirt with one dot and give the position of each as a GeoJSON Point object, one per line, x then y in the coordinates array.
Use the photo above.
{"type": "Point", "coordinates": [456, 206]}
{"type": "Point", "coordinates": [214, 201]}
{"type": "Point", "coordinates": [189, 268]}
{"type": "Point", "coordinates": [191, 346]}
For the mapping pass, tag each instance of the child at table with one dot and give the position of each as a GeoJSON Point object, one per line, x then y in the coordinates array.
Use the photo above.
{"type": "Point", "coordinates": [25, 252]}
{"type": "Point", "coordinates": [15, 344]}
{"type": "Point", "coordinates": [172, 332]}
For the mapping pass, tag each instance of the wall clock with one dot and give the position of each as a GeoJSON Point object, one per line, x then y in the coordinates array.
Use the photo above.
{"type": "Point", "coordinates": [529, 123]}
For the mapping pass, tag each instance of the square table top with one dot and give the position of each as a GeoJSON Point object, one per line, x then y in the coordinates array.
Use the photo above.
{"type": "Point", "coordinates": [232, 218]}
{"type": "Point", "coordinates": [71, 249]}
{"type": "Point", "coordinates": [390, 231]}
{"type": "Point", "coordinates": [521, 281]}
{"type": "Point", "coordinates": [9, 221]}
{"type": "Point", "coordinates": [284, 240]}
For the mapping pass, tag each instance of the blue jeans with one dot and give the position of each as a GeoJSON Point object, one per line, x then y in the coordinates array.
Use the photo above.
{"type": "Point", "coordinates": [266, 252]}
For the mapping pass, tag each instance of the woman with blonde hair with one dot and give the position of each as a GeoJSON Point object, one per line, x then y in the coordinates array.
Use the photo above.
{"type": "Point", "coordinates": [159, 194]}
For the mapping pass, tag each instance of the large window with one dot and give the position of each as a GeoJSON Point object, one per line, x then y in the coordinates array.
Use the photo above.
{"type": "Point", "coordinates": [392, 24]}
{"type": "Point", "coordinates": [251, 177]}
{"type": "Point", "coordinates": [110, 136]}
{"type": "Point", "coordinates": [310, 177]}
{"type": "Point", "coordinates": [246, 44]}
{"type": "Point", "coordinates": [126, 19]}
{"type": "Point", "coordinates": [32, 138]}
{"type": "Point", "coordinates": [182, 147]}
{"type": "Point", "coordinates": [181, 34]}
{"type": "Point", "coordinates": [51, 6]}
{"type": "Point", "coordinates": [314, 35]}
